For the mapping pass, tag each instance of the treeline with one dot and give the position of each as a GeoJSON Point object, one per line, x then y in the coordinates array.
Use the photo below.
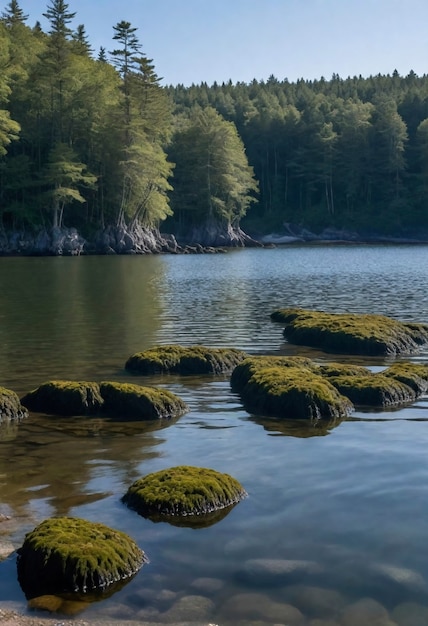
{"type": "Point", "coordinates": [349, 153]}
{"type": "Point", "coordinates": [91, 139]}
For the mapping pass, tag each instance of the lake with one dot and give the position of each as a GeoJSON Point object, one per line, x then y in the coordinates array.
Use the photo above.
{"type": "Point", "coordinates": [336, 515]}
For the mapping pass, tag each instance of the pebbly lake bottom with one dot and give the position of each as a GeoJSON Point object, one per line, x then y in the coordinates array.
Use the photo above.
{"type": "Point", "coordinates": [333, 531]}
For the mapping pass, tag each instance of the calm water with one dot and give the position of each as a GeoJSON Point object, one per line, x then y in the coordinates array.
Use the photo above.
{"type": "Point", "coordinates": [351, 499]}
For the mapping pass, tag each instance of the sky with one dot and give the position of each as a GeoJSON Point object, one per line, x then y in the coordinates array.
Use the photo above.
{"type": "Point", "coordinates": [192, 41]}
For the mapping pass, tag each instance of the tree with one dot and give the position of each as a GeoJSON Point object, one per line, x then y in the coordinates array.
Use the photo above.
{"type": "Point", "coordinates": [213, 183]}
{"type": "Point", "coordinates": [65, 177]}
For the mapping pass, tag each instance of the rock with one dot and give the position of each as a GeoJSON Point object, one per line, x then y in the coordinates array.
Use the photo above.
{"type": "Point", "coordinates": [365, 611]}
{"type": "Point", "coordinates": [287, 388]}
{"type": "Point", "coordinates": [410, 614]}
{"type": "Point", "coordinates": [65, 397]}
{"type": "Point", "coordinates": [184, 360]}
{"type": "Point", "coordinates": [403, 578]}
{"type": "Point", "coordinates": [6, 549]}
{"type": "Point", "coordinates": [71, 554]}
{"type": "Point", "coordinates": [347, 333]}
{"type": "Point", "coordinates": [189, 608]}
{"type": "Point", "coordinates": [253, 606]}
{"type": "Point", "coordinates": [183, 491]}
{"type": "Point", "coordinates": [315, 601]}
{"type": "Point", "coordinates": [271, 572]}
{"type": "Point", "coordinates": [10, 406]}
{"type": "Point", "coordinates": [125, 400]}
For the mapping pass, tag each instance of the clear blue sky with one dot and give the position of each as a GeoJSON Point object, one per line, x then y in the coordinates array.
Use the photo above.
{"type": "Point", "coordinates": [216, 40]}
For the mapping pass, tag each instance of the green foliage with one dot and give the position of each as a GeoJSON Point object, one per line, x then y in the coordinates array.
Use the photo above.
{"type": "Point", "coordinates": [184, 360]}
{"type": "Point", "coordinates": [183, 491]}
{"type": "Point", "coordinates": [123, 400]}
{"type": "Point", "coordinates": [351, 333]}
{"type": "Point", "coordinates": [212, 178]}
{"type": "Point", "coordinates": [70, 554]}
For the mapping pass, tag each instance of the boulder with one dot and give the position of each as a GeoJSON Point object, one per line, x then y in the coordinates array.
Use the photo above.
{"type": "Point", "coordinates": [64, 397]}
{"type": "Point", "coordinates": [285, 389]}
{"type": "Point", "coordinates": [184, 360]}
{"type": "Point", "coordinates": [350, 333]}
{"type": "Point", "coordinates": [183, 491]}
{"type": "Point", "coordinates": [125, 400]}
{"type": "Point", "coordinates": [10, 406]}
{"type": "Point", "coordinates": [66, 554]}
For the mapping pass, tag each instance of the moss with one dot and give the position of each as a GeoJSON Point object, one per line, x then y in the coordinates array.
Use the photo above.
{"type": "Point", "coordinates": [294, 393]}
{"type": "Point", "coordinates": [245, 370]}
{"type": "Point", "coordinates": [71, 554]}
{"type": "Point", "coordinates": [342, 369]}
{"type": "Point", "coordinates": [348, 333]}
{"type": "Point", "coordinates": [374, 390]}
{"type": "Point", "coordinates": [65, 397]}
{"type": "Point", "coordinates": [10, 406]}
{"type": "Point", "coordinates": [412, 374]}
{"type": "Point", "coordinates": [125, 400]}
{"type": "Point", "coordinates": [183, 491]}
{"type": "Point", "coordinates": [182, 360]}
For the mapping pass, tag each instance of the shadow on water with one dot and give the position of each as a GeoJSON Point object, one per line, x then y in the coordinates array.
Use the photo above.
{"type": "Point", "coordinates": [296, 428]}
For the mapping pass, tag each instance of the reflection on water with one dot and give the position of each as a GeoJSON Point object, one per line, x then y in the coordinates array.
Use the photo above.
{"type": "Point", "coordinates": [349, 497]}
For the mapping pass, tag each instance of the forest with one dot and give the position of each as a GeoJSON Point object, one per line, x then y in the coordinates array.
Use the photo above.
{"type": "Point", "coordinates": [92, 140]}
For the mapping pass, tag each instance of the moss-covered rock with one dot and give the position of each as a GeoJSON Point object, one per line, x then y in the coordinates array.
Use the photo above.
{"type": "Point", "coordinates": [342, 369]}
{"type": "Point", "coordinates": [245, 370]}
{"type": "Point", "coordinates": [288, 387]}
{"type": "Point", "coordinates": [65, 397]}
{"type": "Point", "coordinates": [183, 491]}
{"type": "Point", "coordinates": [184, 360]}
{"type": "Point", "coordinates": [374, 390]}
{"type": "Point", "coordinates": [71, 554]}
{"type": "Point", "coordinates": [125, 400]}
{"type": "Point", "coordinates": [10, 406]}
{"type": "Point", "coordinates": [412, 374]}
{"type": "Point", "coordinates": [373, 335]}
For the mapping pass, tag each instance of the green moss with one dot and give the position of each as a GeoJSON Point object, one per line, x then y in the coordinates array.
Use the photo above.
{"type": "Point", "coordinates": [351, 333]}
{"type": "Point", "coordinates": [182, 360]}
{"type": "Point", "coordinates": [125, 400]}
{"type": "Point", "coordinates": [65, 397]}
{"type": "Point", "coordinates": [412, 374]}
{"type": "Point", "coordinates": [342, 369]}
{"type": "Point", "coordinates": [10, 406]}
{"type": "Point", "coordinates": [183, 491]}
{"type": "Point", "coordinates": [294, 393]}
{"type": "Point", "coordinates": [374, 390]}
{"type": "Point", "coordinates": [70, 554]}
{"type": "Point", "coordinates": [245, 370]}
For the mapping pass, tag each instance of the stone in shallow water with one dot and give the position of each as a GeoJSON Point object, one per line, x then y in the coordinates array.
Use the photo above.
{"type": "Point", "coordinates": [189, 608]}
{"type": "Point", "coordinates": [255, 606]}
{"type": "Point", "coordinates": [70, 554]}
{"type": "Point", "coordinates": [315, 601]}
{"type": "Point", "coordinates": [410, 614]}
{"type": "Point", "coordinates": [277, 571]}
{"type": "Point", "coordinates": [365, 612]}
{"type": "Point", "coordinates": [406, 579]}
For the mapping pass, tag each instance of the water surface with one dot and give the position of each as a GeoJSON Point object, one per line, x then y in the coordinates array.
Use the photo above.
{"type": "Point", "coordinates": [350, 497]}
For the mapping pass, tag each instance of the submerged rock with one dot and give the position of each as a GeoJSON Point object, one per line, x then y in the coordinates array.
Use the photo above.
{"type": "Point", "coordinates": [184, 360]}
{"type": "Point", "coordinates": [65, 397]}
{"type": "Point", "coordinates": [274, 572]}
{"type": "Point", "coordinates": [11, 408]}
{"type": "Point", "coordinates": [71, 554]}
{"type": "Point", "coordinates": [351, 333]}
{"type": "Point", "coordinates": [183, 491]}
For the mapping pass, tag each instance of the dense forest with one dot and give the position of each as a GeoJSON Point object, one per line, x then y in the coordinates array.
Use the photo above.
{"type": "Point", "coordinates": [92, 140]}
